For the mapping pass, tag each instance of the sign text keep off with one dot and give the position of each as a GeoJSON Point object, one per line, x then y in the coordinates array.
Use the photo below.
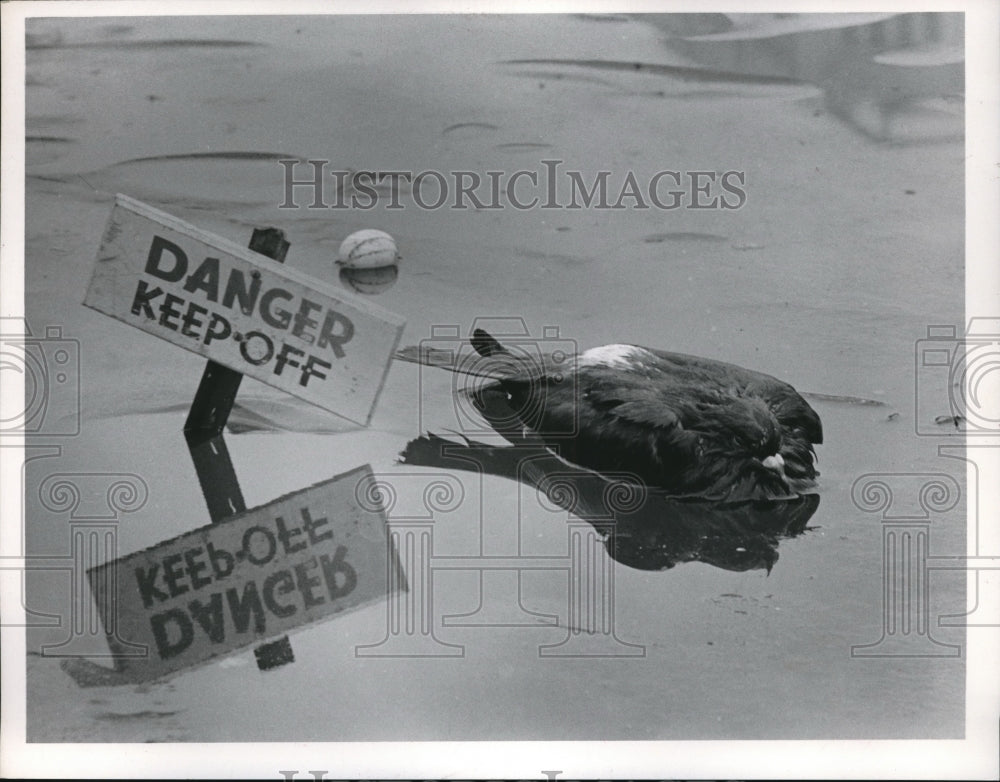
{"type": "Point", "coordinates": [256, 575]}
{"type": "Point", "coordinates": [243, 310]}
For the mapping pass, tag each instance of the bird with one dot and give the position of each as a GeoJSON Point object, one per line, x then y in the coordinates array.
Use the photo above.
{"type": "Point", "coordinates": [689, 426]}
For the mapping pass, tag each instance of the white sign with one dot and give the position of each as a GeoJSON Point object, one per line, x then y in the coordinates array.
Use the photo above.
{"type": "Point", "coordinates": [243, 310]}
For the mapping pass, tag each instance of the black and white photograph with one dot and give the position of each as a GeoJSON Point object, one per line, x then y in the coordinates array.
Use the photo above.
{"type": "Point", "coordinates": [489, 391]}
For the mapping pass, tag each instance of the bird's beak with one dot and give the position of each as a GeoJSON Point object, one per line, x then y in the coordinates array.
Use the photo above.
{"type": "Point", "coordinates": [775, 462]}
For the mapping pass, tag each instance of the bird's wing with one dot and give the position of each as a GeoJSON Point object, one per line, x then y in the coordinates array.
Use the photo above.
{"type": "Point", "coordinates": [791, 410]}
{"type": "Point", "coordinates": [647, 412]}
{"type": "Point", "coordinates": [629, 396]}
{"type": "Point", "coordinates": [609, 422]}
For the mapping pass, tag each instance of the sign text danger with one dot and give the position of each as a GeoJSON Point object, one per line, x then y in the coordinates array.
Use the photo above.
{"type": "Point", "coordinates": [243, 310]}
{"type": "Point", "coordinates": [308, 321]}
{"type": "Point", "coordinates": [253, 576]}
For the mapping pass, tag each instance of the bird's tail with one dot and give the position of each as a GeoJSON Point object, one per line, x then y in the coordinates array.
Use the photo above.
{"type": "Point", "coordinates": [486, 345]}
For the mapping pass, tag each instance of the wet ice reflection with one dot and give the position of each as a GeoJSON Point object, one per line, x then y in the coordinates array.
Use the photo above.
{"type": "Point", "coordinates": [642, 528]}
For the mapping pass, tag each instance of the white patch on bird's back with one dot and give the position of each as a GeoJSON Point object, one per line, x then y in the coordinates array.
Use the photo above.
{"type": "Point", "coordinates": [614, 356]}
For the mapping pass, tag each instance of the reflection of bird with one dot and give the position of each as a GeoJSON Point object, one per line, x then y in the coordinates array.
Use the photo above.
{"type": "Point", "coordinates": [690, 426]}
{"type": "Point", "coordinates": [642, 528]}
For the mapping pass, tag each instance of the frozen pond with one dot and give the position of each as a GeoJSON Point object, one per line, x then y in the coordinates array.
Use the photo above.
{"type": "Point", "coordinates": [847, 245]}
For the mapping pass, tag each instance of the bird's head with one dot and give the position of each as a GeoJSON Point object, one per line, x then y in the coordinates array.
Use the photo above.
{"type": "Point", "coordinates": [745, 435]}
{"type": "Point", "coordinates": [752, 427]}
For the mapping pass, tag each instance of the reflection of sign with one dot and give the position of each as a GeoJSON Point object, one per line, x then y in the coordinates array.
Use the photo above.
{"type": "Point", "coordinates": [255, 575]}
{"type": "Point", "coordinates": [243, 310]}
